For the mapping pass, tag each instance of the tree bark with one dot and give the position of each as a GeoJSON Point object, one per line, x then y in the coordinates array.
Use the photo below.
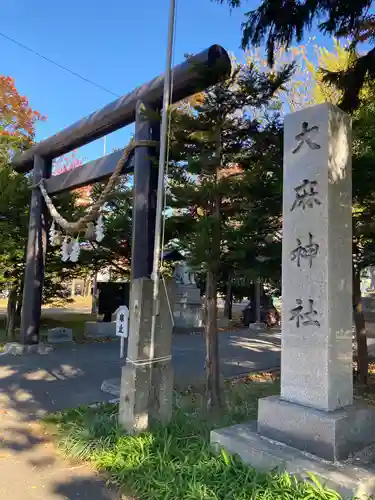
{"type": "Point", "coordinates": [11, 314]}
{"type": "Point", "coordinates": [94, 298]}
{"type": "Point", "coordinates": [360, 329]}
{"type": "Point", "coordinates": [19, 302]}
{"type": "Point", "coordinates": [228, 298]}
{"type": "Point", "coordinates": [212, 344]}
{"type": "Point", "coordinates": [86, 286]}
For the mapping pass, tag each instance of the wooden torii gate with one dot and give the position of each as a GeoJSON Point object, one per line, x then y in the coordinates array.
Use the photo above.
{"type": "Point", "coordinates": [147, 376]}
{"type": "Point", "coordinates": [193, 75]}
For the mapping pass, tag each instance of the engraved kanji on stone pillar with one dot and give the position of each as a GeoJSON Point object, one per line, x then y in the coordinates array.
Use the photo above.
{"type": "Point", "coordinates": [317, 259]}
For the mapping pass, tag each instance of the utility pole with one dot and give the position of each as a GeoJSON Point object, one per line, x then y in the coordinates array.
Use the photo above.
{"type": "Point", "coordinates": [162, 160]}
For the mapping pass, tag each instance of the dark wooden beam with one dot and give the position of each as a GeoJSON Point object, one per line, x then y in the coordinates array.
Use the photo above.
{"type": "Point", "coordinates": [93, 171]}
{"type": "Point", "coordinates": [145, 188]}
{"type": "Point", "coordinates": [35, 257]}
{"type": "Point", "coordinates": [194, 75]}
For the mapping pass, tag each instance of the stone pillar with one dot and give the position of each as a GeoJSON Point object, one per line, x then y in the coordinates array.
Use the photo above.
{"type": "Point", "coordinates": [317, 315]}
{"type": "Point", "coordinates": [147, 384]}
{"type": "Point", "coordinates": [315, 411]}
{"type": "Point", "coordinates": [187, 309]}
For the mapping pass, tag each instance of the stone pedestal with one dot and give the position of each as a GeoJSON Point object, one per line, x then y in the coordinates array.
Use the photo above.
{"type": "Point", "coordinates": [332, 435]}
{"type": "Point", "coordinates": [257, 326]}
{"type": "Point", "coordinates": [146, 385]}
{"type": "Point", "coordinates": [59, 335]}
{"type": "Point", "coordinates": [315, 411]}
{"type": "Point", "coordinates": [187, 309]}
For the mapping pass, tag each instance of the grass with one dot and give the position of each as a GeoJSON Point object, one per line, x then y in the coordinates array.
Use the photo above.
{"type": "Point", "coordinates": [175, 462]}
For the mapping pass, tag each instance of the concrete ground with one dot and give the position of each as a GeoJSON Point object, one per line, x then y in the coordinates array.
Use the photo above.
{"type": "Point", "coordinates": [32, 385]}
{"type": "Point", "coordinates": [71, 376]}
{"type": "Point", "coordinates": [30, 467]}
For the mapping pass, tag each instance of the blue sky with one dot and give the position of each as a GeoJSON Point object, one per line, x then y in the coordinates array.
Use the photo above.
{"type": "Point", "coordinates": [117, 44]}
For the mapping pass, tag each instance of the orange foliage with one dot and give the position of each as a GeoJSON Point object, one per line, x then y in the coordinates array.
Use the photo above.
{"type": "Point", "coordinates": [230, 171]}
{"type": "Point", "coordinates": [17, 118]}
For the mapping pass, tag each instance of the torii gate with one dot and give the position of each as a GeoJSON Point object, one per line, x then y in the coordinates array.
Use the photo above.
{"type": "Point", "coordinates": [194, 75]}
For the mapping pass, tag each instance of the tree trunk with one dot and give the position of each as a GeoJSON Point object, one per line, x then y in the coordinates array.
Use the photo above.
{"type": "Point", "coordinates": [11, 314]}
{"type": "Point", "coordinates": [94, 291]}
{"type": "Point", "coordinates": [360, 329]}
{"type": "Point", "coordinates": [19, 303]}
{"type": "Point", "coordinates": [212, 344]}
{"type": "Point", "coordinates": [228, 298]}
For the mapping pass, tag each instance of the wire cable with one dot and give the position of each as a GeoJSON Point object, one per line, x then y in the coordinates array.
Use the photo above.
{"type": "Point", "coordinates": [166, 176]}
{"type": "Point", "coordinates": [51, 61]}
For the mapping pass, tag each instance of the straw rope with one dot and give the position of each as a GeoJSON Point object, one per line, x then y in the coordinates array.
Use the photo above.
{"type": "Point", "coordinates": [93, 213]}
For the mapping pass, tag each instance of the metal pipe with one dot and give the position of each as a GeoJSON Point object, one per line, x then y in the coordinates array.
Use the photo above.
{"type": "Point", "coordinates": [162, 159]}
{"type": "Point", "coordinates": [194, 75]}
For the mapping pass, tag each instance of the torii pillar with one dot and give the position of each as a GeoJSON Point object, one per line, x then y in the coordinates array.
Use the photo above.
{"type": "Point", "coordinates": [35, 256]}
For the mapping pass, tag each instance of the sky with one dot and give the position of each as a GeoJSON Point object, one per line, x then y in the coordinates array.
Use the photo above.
{"type": "Point", "coordinates": [118, 44]}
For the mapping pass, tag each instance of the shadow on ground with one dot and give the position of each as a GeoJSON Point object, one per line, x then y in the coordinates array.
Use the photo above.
{"type": "Point", "coordinates": [70, 377]}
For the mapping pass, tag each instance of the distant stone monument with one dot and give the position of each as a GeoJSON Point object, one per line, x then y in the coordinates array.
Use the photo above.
{"type": "Point", "coordinates": [187, 302]}
{"type": "Point", "coordinates": [59, 335]}
{"type": "Point", "coordinates": [315, 411]}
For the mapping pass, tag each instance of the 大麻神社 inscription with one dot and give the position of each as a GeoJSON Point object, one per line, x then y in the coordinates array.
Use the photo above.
{"type": "Point", "coordinates": [304, 137]}
{"type": "Point", "coordinates": [306, 195]}
{"type": "Point", "coordinates": [305, 252]}
{"type": "Point", "coordinates": [304, 318]}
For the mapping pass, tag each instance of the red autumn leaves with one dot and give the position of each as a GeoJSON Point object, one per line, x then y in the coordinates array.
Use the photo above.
{"type": "Point", "coordinates": [17, 118]}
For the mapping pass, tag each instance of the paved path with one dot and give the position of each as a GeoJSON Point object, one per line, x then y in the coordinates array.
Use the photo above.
{"type": "Point", "coordinates": [30, 467]}
{"type": "Point", "coordinates": [72, 376]}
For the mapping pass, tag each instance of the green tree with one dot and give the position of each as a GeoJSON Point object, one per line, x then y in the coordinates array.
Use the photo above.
{"type": "Point", "coordinates": [279, 22]}
{"type": "Point", "coordinates": [115, 249]}
{"type": "Point", "coordinates": [14, 221]}
{"type": "Point", "coordinates": [363, 178]}
{"type": "Point", "coordinates": [216, 146]}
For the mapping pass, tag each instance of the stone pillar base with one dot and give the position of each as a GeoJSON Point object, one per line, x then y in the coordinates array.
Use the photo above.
{"type": "Point", "coordinates": [147, 378]}
{"type": "Point", "coordinates": [146, 395]}
{"type": "Point", "coordinates": [354, 479]}
{"type": "Point", "coordinates": [332, 435]}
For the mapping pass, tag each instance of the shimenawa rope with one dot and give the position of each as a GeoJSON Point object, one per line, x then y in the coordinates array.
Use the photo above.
{"type": "Point", "coordinates": [93, 213]}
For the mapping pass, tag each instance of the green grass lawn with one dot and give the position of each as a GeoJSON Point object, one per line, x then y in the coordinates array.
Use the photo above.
{"type": "Point", "coordinates": [176, 462]}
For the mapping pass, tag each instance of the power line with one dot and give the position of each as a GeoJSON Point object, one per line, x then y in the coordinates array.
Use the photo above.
{"type": "Point", "coordinates": [59, 65]}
